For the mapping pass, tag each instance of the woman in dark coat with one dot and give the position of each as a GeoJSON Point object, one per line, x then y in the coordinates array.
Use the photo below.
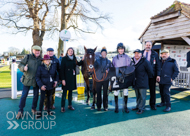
{"type": "Point", "coordinates": [68, 77]}
{"type": "Point", "coordinates": [46, 78]}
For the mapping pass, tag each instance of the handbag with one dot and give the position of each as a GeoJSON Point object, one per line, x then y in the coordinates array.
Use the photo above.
{"type": "Point", "coordinates": [23, 76]}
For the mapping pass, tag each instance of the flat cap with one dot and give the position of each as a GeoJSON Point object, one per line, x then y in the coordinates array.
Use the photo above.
{"type": "Point", "coordinates": [36, 47]}
{"type": "Point", "coordinates": [137, 50]}
{"type": "Point", "coordinates": [164, 51]}
{"type": "Point", "coordinates": [50, 49]}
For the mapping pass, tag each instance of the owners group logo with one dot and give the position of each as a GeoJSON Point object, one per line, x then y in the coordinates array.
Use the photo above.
{"type": "Point", "coordinates": [30, 121]}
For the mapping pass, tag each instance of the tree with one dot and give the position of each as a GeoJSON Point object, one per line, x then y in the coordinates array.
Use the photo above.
{"type": "Point", "coordinates": [74, 11]}
{"type": "Point", "coordinates": [24, 16]}
{"type": "Point", "coordinates": [13, 51]}
{"type": "Point", "coordinates": [24, 52]}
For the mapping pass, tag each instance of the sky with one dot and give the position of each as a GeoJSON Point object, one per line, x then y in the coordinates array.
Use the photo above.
{"type": "Point", "coordinates": [129, 20]}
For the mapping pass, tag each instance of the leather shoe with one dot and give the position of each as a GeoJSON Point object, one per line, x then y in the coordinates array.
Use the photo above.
{"type": "Point", "coordinates": [167, 109]}
{"type": "Point", "coordinates": [153, 107]}
{"type": "Point", "coordinates": [116, 110]}
{"type": "Point", "coordinates": [134, 109]}
{"type": "Point", "coordinates": [105, 109]}
{"type": "Point", "coordinates": [161, 105]}
{"type": "Point", "coordinates": [98, 109]}
{"type": "Point", "coordinates": [62, 109]}
{"type": "Point", "coordinates": [139, 111]}
{"type": "Point", "coordinates": [52, 107]}
{"type": "Point", "coordinates": [71, 107]}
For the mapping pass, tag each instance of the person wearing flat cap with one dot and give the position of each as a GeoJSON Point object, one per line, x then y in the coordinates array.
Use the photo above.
{"type": "Point", "coordinates": [29, 67]}
{"type": "Point", "coordinates": [169, 71]}
{"type": "Point", "coordinates": [46, 78]}
{"type": "Point", "coordinates": [143, 71]}
{"type": "Point", "coordinates": [55, 63]}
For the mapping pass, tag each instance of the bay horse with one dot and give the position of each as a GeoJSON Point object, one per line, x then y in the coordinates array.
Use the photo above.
{"type": "Point", "coordinates": [88, 71]}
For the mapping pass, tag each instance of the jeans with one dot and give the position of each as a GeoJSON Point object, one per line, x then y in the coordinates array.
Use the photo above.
{"type": "Point", "coordinates": [24, 96]}
{"type": "Point", "coordinates": [165, 94]}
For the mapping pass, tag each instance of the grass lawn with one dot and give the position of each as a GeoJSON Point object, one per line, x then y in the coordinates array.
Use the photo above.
{"type": "Point", "coordinates": [5, 77]}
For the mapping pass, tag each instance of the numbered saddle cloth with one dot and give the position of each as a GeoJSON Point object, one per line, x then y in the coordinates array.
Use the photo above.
{"type": "Point", "coordinates": [128, 74]}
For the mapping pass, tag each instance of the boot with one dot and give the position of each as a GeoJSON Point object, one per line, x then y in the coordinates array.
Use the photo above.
{"type": "Point", "coordinates": [125, 104]}
{"type": "Point", "coordinates": [116, 104]}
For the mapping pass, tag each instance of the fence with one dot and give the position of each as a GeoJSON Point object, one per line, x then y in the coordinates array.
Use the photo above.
{"type": "Point", "coordinates": [16, 88]}
{"type": "Point", "coordinates": [182, 80]}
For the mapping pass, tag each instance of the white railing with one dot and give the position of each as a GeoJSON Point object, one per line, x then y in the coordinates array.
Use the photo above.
{"type": "Point", "coordinates": [182, 80]}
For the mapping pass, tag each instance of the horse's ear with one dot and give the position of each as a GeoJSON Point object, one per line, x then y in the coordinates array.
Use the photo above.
{"type": "Point", "coordinates": [85, 48]}
{"type": "Point", "coordinates": [95, 49]}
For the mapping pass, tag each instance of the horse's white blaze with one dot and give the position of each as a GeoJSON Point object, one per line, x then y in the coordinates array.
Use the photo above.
{"type": "Point", "coordinates": [91, 66]}
{"type": "Point", "coordinates": [90, 56]}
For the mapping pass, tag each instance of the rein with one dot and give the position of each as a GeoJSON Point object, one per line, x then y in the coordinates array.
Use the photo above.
{"type": "Point", "coordinates": [95, 78]}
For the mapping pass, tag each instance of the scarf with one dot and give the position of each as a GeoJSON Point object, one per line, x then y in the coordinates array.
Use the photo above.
{"type": "Point", "coordinates": [137, 61]}
{"type": "Point", "coordinates": [47, 66]}
{"type": "Point", "coordinates": [70, 57]}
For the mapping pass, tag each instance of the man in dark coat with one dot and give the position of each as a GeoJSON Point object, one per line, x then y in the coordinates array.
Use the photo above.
{"type": "Point", "coordinates": [143, 71]}
{"type": "Point", "coordinates": [55, 63]}
{"type": "Point", "coordinates": [169, 71]}
{"type": "Point", "coordinates": [188, 59]}
{"type": "Point", "coordinates": [29, 67]}
{"type": "Point", "coordinates": [153, 58]}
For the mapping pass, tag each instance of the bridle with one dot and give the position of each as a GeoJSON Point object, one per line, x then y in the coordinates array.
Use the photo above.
{"type": "Point", "coordinates": [91, 70]}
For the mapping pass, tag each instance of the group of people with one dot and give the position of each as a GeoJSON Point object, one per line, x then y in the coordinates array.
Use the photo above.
{"type": "Point", "coordinates": [44, 74]}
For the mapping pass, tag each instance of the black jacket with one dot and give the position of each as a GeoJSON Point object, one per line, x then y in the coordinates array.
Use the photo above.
{"type": "Point", "coordinates": [55, 63]}
{"type": "Point", "coordinates": [143, 71]}
{"type": "Point", "coordinates": [43, 76]}
{"type": "Point", "coordinates": [101, 65]}
{"type": "Point", "coordinates": [67, 68]}
{"type": "Point", "coordinates": [188, 59]}
{"type": "Point", "coordinates": [155, 63]}
{"type": "Point", "coordinates": [169, 70]}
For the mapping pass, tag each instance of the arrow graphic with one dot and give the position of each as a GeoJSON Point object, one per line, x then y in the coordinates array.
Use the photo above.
{"type": "Point", "coordinates": [15, 124]}
{"type": "Point", "coordinates": [12, 124]}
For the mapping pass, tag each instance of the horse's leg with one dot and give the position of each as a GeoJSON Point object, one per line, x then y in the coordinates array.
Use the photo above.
{"type": "Point", "coordinates": [94, 95]}
{"type": "Point", "coordinates": [88, 91]}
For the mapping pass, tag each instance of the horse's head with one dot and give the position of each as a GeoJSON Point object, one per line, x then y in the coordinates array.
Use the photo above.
{"type": "Point", "coordinates": [89, 59]}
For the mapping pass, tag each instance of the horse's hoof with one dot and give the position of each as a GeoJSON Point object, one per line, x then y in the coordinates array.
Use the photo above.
{"type": "Point", "coordinates": [92, 107]}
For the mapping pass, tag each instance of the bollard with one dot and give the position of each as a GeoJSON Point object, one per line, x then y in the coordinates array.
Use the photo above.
{"type": "Point", "coordinates": [14, 81]}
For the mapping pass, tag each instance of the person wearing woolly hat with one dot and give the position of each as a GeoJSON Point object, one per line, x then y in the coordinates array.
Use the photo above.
{"type": "Point", "coordinates": [101, 66]}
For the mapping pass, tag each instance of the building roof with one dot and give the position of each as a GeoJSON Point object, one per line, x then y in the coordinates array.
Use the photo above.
{"type": "Point", "coordinates": [175, 7]}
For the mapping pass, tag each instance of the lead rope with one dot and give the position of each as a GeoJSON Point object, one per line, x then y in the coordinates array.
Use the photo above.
{"type": "Point", "coordinates": [95, 78]}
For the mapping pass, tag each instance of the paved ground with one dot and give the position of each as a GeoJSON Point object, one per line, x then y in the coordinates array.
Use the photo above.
{"type": "Point", "coordinates": [5, 93]}
{"type": "Point", "coordinates": [84, 121]}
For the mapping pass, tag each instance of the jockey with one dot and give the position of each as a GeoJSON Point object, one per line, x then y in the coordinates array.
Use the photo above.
{"type": "Point", "coordinates": [121, 60]}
